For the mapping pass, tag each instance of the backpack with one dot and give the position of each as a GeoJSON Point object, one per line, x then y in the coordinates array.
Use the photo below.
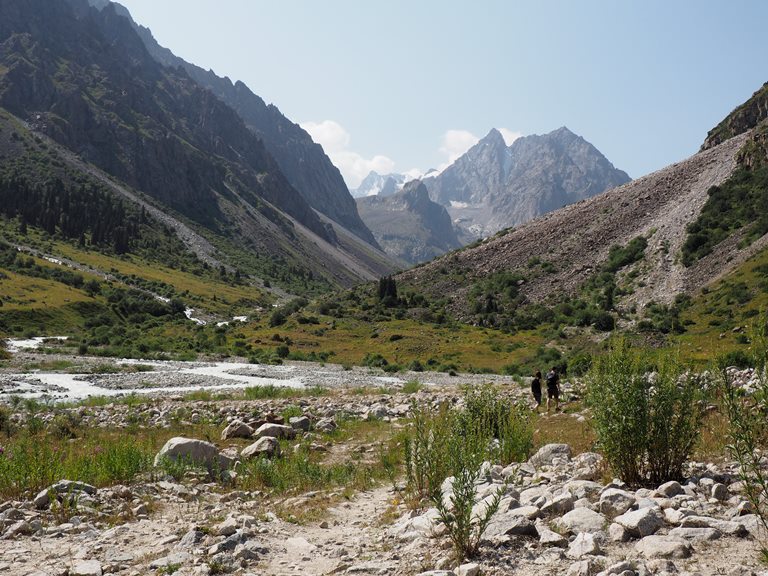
{"type": "Point", "coordinates": [552, 379]}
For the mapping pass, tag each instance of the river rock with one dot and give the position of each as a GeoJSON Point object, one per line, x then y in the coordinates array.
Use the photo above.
{"type": "Point", "coordinates": [87, 568]}
{"type": "Point", "coordinates": [280, 431]}
{"type": "Point", "coordinates": [547, 453]}
{"type": "Point", "coordinates": [582, 520]}
{"type": "Point", "coordinates": [584, 544]}
{"type": "Point", "coordinates": [663, 547]}
{"type": "Point", "coordinates": [236, 429]}
{"type": "Point", "coordinates": [42, 500]}
{"type": "Point", "coordinates": [643, 522]}
{"type": "Point", "coordinates": [265, 446]}
{"type": "Point", "coordinates": [198, 452]}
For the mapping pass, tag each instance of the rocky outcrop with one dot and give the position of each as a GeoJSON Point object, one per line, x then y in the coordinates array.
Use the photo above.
{"type": "Point", "coordinates": [744, 118]}
{"type": "Point", "coordinates": [408, 225]}
{"type": "Point", "coordinates": [493, 186]}
{"type": "Point", "coordinates": [376, 184]}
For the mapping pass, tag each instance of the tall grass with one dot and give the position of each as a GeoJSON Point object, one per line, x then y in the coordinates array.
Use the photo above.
{"type": "Point", "coordinates": [455, 442]}
{"type": "Point", "coordinates": [647, 423]}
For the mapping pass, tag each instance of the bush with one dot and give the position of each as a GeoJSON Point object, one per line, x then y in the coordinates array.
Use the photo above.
{"type": "Point", "coordinates": [456, 442]}
{"type": "Point", "coordinates": [646, 424]}
{"type": "Point", "coordinates": [747, 431]}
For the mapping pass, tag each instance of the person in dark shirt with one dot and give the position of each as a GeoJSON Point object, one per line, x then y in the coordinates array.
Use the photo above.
{"type": "Point", "coordinates": [553, 388]}
{"type": "Point", "coordinates": [536, 389]}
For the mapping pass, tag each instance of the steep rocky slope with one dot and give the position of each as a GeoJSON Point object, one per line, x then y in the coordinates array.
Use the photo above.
{"type": "Point", "coordinates": [576, 239]}
{"type": "Point", "coordinates": [84, 79]}
{"type": "Point", "coordinates": [376, 184]}
{"type": "Point", "coordinates": [493, 186]}
{"type": "Point", "coordinates": [743, 118]}
{"type": "Point", "coordinates": [302, 161]}
{"type": "Point", "coordinates": [408, 225]}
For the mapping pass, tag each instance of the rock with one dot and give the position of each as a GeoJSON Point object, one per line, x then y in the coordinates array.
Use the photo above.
{"type": "Point", "coordinates": [580, 568]}
{"type": "Point", "coordinates": [560, 504]}
{"type": "Point", "coordinates": [615, 502]}
{"type": "Point", "coordinates": [471, 569]}
{"type": "Point", "coordinates": [670, 489]}
{"type": "Point", "coordinates": [42, 500]}
{"type": "Point", "coordinates": [582, 520]}
{"type": "Point", "coordinates": [643, 522]}
{"type": "Point", "coordinates": [300, 423]}
{"type": "Point", "coordinates": [280, 431]}
{"type": "Point", "coordinates": [175, 559]}
{"type": "Point", "coordinates": [618, 568]}
{"type": "Point", "coordinates": [326, 425]}
{"type": "Point", "coordinates": [617, 533]}
{"type": "Point", "coordinates": [87, 568]}
{"type": "Point", "coordinates": [720, 492]}
{"type": "Point", "coordinates": [725, 526]}
{"type": "Point", "coordinates": [227, 528]}
{"type": "Point", "coordinates": [695, 534]}
{"type": "Point", "coordinates": [546, 454]}
{"type": "Point", "coordinates": [198, 452]}
{"type": "Point", "coordinates": [584, 544]}
{"type": "Point", "coordinates": [549, 537]}
{"type": "Point", "coordinates": [509, 524]}
{"type": "Point", "coordinates": [265, 446]}
{"type": "Point", "coordinates": [236, 429]}
{"type": "Point", "coordinates": [663, 547]}
{"type": "Point", "coordinates": [437, 573]}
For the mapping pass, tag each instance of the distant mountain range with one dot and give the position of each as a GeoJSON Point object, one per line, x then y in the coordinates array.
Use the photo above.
{"type": "Point", "coordinates": [208, 153]}
{"type": "Point", "coordinates": [494, 186]}
{"type": "Point", "coordinates": [408, 225]}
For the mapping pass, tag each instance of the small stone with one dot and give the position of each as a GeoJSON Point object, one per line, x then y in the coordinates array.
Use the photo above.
{"type": "Point", "coordinates": [546, 454]}
{"type": "Point", "coordinates": [582, 520]}
{"type": "Point", "coordinates": [695, 534]}
{"type": "Point", "coordinates": [227, 528]}
{"type": "Point", "coordinates": [280, 431]}
{"type": "Point", "coordinates": [617, 533]}
{"type": "Point", "coordinates": [300, 423]}
{"type": "Point", "coordinates": [720, 492]}
{"type": "Point", "coordinates": [670, 489]}
{"type": "Point", "coordinates": [236, 429]}
{"type": "Point", "coordinates": [549, 537]}
{"type": "Point", "coordinates": [615, 502]}
{"type": "Point", "coordinates": [267, 446]}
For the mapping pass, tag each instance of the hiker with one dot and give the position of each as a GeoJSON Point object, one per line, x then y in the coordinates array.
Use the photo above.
{"type": "Point", "coordinates": [536, 389]}
{"type": "Point", "coordinates": [553, 388]}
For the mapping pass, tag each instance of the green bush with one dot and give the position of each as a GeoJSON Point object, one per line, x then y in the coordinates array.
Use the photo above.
{"type": "Point", "coordinates": [747, 431]}
{"type": "Point", "coordinates": [455, 442]}
{"type": "Point", "coordinates": [646, 424]}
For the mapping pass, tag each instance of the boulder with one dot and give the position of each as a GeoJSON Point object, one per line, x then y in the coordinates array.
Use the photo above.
{"type": "Point", "coordinates": [326, 425]}
{"type": "Point", "coordinates": [640, 523]}
{"type": "Point", "coordinates": [582, 520]}
{"type": "Point", "coordinates": [300, 423]}
{"type": "Point", "coordinates": [62, 487]}
{"type": "Point", "coordinates": [236, 429]}
{"type": "Point", "coordinates": [280, 431]}
{"type": "Point", "coordinates": [198, 452]}
{"type": "Point", "coordinates": [547, 453]}
{"type": "Point", "coordinates": [549, 537]}
{"type": "Point", "coordinates": [265, 446]}
{"type": "Point", "coordinates": [695, 534]}
{"type": "Point", "coordinates": [670, 489]}
{"type": "Point", "coordinates": [725, 526]}
{"type": "Point", "coordinates": [663, 547]}
{"type": "Point", "coordinates": [584, 544]}
{"type": "Point", "coordinates": [615, 502]}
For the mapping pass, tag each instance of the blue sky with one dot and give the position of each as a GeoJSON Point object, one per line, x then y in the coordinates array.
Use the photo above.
{"type": "Point", "coordinates": [408, 85]}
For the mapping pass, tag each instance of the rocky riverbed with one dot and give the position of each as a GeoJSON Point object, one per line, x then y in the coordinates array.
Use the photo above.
{"type": "Point", "coordinates": [559, 514]}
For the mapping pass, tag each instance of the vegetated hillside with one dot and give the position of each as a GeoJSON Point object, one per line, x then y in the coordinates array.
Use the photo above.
{"type": "Point", "coordinates": [613, 253]}
{"type": "Point", "coordinates": [494, 186]}
{"type": "Point", "coordinates": [84, 78]}
{"type": "Point", "coordinates": [302, 161]}
{"type": "Point", "coordinates": [408, 225]}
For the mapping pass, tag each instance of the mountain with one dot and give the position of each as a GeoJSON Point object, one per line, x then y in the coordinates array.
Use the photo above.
{"type": "Point", "coordinates": [82, 80]}
{"type": "Point", "coordinates": [379, 184]}
{"type": "Point", "coordinates": [303, 162]}
{"type": "Point", "coordinates": [743, 118]}
{"type": "Point", "coordinates": [494, 186]}
{"type": "Point", "coordinates": [628, 252]}
{"type": "Point", "coordinates": [408, 225]}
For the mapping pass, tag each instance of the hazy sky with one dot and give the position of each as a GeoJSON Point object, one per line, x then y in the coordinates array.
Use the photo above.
{"type": "Point", "coordinates": [407, 85]}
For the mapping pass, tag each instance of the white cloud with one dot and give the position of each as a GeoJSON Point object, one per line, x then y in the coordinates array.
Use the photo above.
{"type": "Point", "coordinates": [335, 141]}
{"type": "Point", "coordinates": [455, 143]}
{"type": "Point", "coordinates": [509, 135]}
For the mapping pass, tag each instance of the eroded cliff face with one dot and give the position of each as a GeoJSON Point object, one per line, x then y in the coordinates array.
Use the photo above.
{"type": "Point", "coordinates": [745, 117]}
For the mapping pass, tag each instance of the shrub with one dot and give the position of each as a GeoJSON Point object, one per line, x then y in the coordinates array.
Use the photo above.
{"type": "Point", "coordinates": [646, 424]}
{"type": "Point", "coordinates": [412, 386]}
{"type": "Point", "coordinates": [747, 431]}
